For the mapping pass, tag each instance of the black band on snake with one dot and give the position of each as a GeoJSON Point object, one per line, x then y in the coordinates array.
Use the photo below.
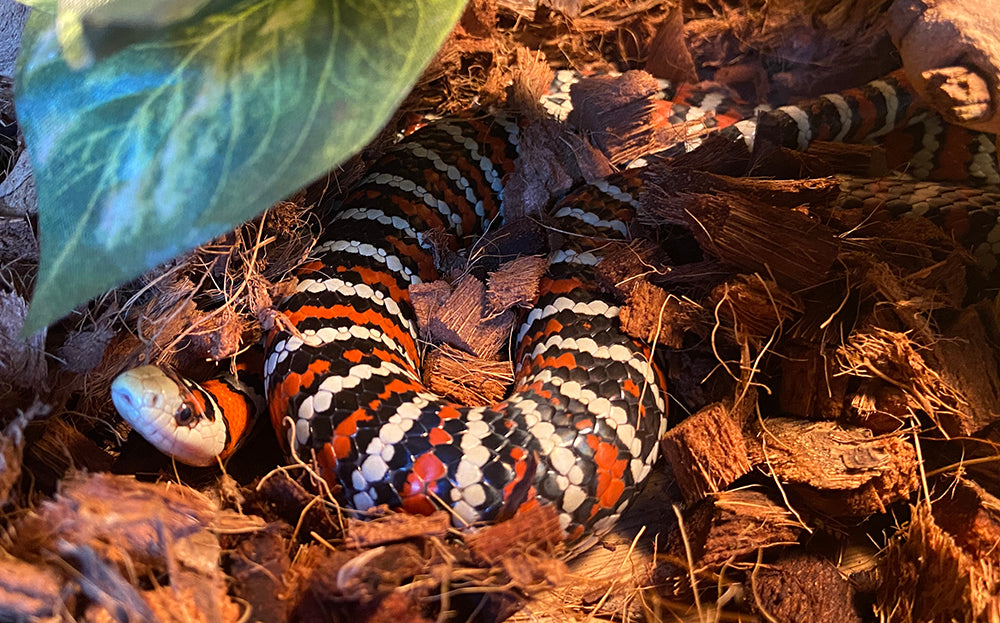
{"type": "Point", "coordinates": [580, 430]}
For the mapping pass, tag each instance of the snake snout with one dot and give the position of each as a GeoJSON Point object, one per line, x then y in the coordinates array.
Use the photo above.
{"type": "Point", "coordinates": [124, 397]}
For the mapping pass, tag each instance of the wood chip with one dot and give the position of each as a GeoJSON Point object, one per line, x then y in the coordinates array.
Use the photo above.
{"type": "Point", "coordinates": [727, 527]}
{"type": "Point", "coordinates": [624, 265]}
{"type": "Point", "coordinates": [28, 591]}
{"type": "Point", "coordinates": [12, 450]}
{"type": "Point", "coordinates": [279, 496]}
{"type": "Point", "coordinates": [534, 529]}
{"type": "Point", "coordinates": [744, 231]}
{"type": "Point", "coordinates": [395, 527]}
{"type": "Point", "coordinates": [803, 587]}
{"type": "Point", "coordinates": [842, 471]}
{"type": "Point", "coordinates": [328, 581]}
{"type": "Point", "coordinates": [515, 284]}
{"type": "Point", "coordinates": [894, 358]}
{"type": "Point", "coordinates": [753, 308]}
{"type": "Point", "coordinates": [926, 576]}
{"type": "Point", "coordinates": [144, 525]}
{"type": "Point", "coordinates": [652, 315]}
{"type": "Point", "coordinates": [258, 565]}
{"type": "Point", "coordinates": [463, 321]}
{"type": "Point", "coordinates": [465, 378]}
{"type": "Point", "coordinates": [971, 515]}
{"type": "Point", "coordinates": [617, 113]}
{"type": "Point", "coordinates": [669, 57]}
{"type": "Point", "coordinates": [427, 297]}
{"type": "Point", "coordinates": [810, 386]}
{"type": "Point", "coordinates": [18, 195]}
{"type": "Point", "coordinates": [706, 452]}
{"type": "Point", "coordinates": [22, 360]}
{"type": "Point", "coordinates": [968, 361]}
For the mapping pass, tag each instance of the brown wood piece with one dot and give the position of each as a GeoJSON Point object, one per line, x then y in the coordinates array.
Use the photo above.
{"type": "Point", "coordinates": [257, 566]}
{"type": "Point", "coordinates": [810, 386]}
{"type": "Point", "coordinates": [280, 497]}
{"type": "Point", "coordinates": [803, 587]}
{"type": "Point", "coordinates": [706, 452]}
{"type": "Point", "coordinates": [926, 576]}
{"type": "Point", "coordinates": [465, 378]}
{"type": "Point", "coordinates": [896, 359]}
{"type": "Point", "coordinates": [426, 298]}
{"type": "Point", "coordinates": [753, 308]}
{"type": "Point", "coordinates": [740, 229]}
{"type": "Point", "coordinates": [971, 515]}
{"type": "Point", "coordinates": [729, 526]}
{"type": "Point", "coordinates": [652, 315]}
{"type": "Point", "coordinates": [967, 359]}
{"type": "Point", "coordinates": [362, 534]}
{"type": "Point", "coordinates": [535, 530]}
{"type": "Point", "coordinates": [669, 58]}
{"type": "Point", "coordinates": [851, 158]}
{"type": "Point", "coordinates": [324, 583]}
{"type": "Point", "coordinates": [462, 321]}
{"type": "Point", "coordinates": [624, 265]}
{"type": "Point", "coordinates": [842, 471]}
{"type": "Point", "coordinates": [616, 112]}
{"type": "Point", "coordinates": [878, 406]}
{"type": "Point", "coordinates": [515, 284]}
{"type": "Point", "coordinates": [951, 54]}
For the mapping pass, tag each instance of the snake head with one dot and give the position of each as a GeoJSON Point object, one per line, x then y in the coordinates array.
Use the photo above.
{"type": "Point", "coordinates": [176, 416]}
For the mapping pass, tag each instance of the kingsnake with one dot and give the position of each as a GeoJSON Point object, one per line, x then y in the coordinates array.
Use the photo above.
{"type": "Point", "coordinates": [581, 428]}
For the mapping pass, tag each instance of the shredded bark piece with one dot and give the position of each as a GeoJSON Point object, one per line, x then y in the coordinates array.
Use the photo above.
{"type": "Point", "coordinates": [801, 587]}
{"type": "Point", "coordinates": [427, 297]}
{"type": "Point", "coordinates": [463, 322]}
{"type": "Point", "coordinates": [655, 316]}
{"type": "Point", "coordinates": [706, 452]}
{"type": "Point", "coordinates": [669, 57]}
{"type": "Point", "coordinates": [842, 471]}
{"type": "Point", "coordinates": [753, 308]}
{"type": "Point", "coordinates": [745, 231]}
{"type": "Point", "coordinates": [279, 496]}
{"type": "Point", "coordinates": [624, 265]}
{"type": "Point", "coordinates": [810, 386]}
{"type": "Point", "coordinates": [927, 577]}
{"type": "Point", "coordinates": [533, 530]}
{"type": "Point", "coordinates": [395, 527]}
{"type": "Point", "coordinates": [894, 358]}
{"type": "Point", "coordinates": [971, 515]}
{"type": "Point", "coordinates": [616, 112]}
{"type": "Point", "coordinates": [12, 449]}
{"type": "Point", "coordinates": [968, 360]}
{"type": "Point", "coordinates": [28, 591]}
{"type": "Point", "coordinates": [515, 284]}
{"type": "Point", "coordinates": [351, 583]}
{"type": "Point", "coordinates": [728, 527]}
{"type": "Point", "coordinates": [22, 361]}
{"type": "Point", "coordinates": [465, 378]}
{"type": "Point", "coordinates": [553, 161]}
{"type": "Point", "coordinates": [258, 565]}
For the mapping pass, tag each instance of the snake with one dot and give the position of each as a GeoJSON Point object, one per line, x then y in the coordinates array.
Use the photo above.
{"type": "Point", "coordinates": [580, 428]}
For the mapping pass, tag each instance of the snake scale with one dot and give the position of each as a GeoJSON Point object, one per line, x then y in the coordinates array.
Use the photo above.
{"type": "Point", "coordinates": [580, 429]}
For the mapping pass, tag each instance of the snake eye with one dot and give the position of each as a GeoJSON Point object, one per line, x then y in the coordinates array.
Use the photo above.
{"type": "Point", "coordinates": [184, 415]}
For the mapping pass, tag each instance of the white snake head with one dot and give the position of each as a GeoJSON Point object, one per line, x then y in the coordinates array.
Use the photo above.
{"type": "Point", "coordinates": [180, 421]}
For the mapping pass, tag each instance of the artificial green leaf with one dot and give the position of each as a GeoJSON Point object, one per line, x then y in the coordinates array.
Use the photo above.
{"type": "Point", "coordinates": [170, 142]}
{"type": "Point", "coordinates": [129, 13]}
{"type": "Point", "coordinates": [93, 29]}
{"type": "Point", "coordinates": [48, 6]}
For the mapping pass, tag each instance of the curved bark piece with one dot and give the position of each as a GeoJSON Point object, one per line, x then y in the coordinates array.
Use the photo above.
{"type": "Point", "coordinates": [951, 53]}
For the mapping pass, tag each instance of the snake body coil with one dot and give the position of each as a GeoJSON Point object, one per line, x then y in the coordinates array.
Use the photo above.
{"type": "Point", "coordinates": [581, 428]}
